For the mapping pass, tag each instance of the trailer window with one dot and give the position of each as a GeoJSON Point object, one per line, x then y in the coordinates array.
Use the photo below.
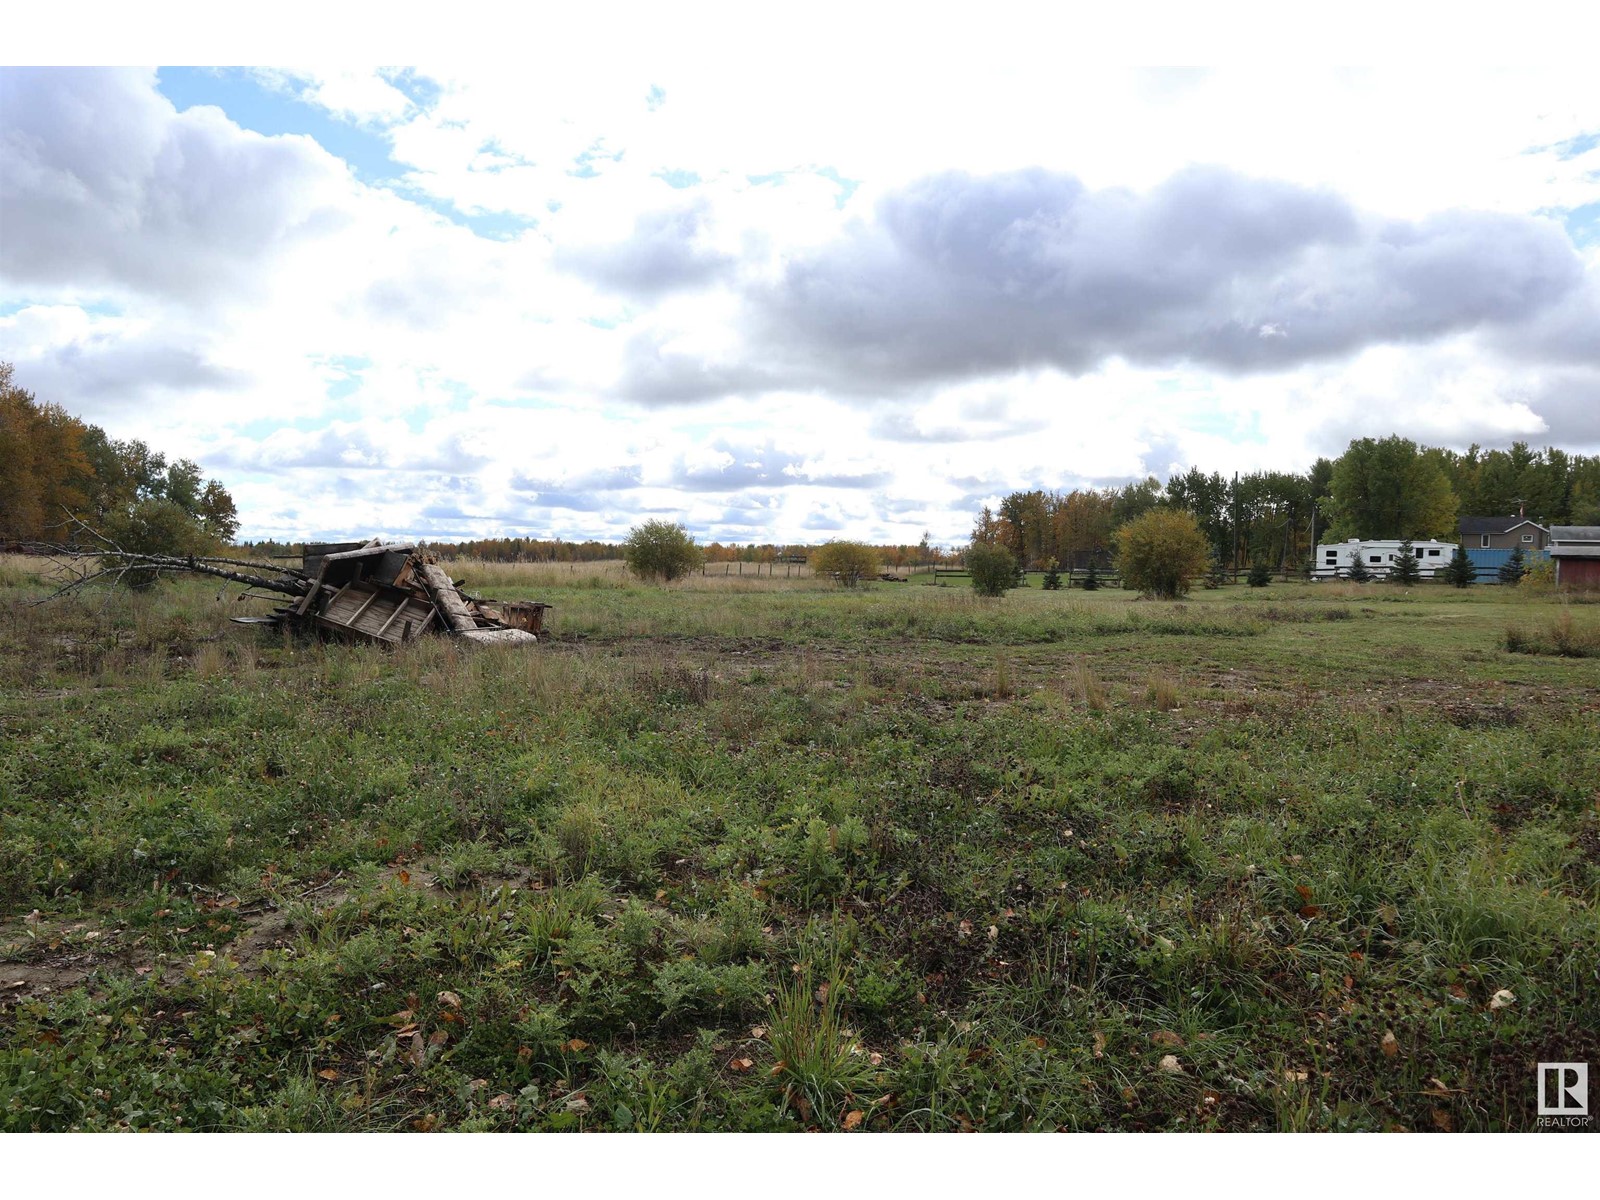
{"type": "Point", "coordinates": [1333, 556]}
{"type": "Point", "coordinates": [1433, 554]}
{"type": "Point", "coordinates": [1375, 558]}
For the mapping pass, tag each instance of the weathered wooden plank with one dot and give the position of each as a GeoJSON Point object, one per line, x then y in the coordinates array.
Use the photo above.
{"type": "Point", "coordinates": [442, 591]}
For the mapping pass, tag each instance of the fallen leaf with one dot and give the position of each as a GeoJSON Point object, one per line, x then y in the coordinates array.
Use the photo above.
{"type": "Point", "coordinates": [1391, 1044]}
{"type": "Point", "coordinates": [1099, 1044]}
{"type": "Point", "coordinates": [779, 1067]}
{"type": "Point", "coordinates": [1310, 910]}
{"type": "Point", "coordinates": [822, 993]}
{"type": "Point", "coordinates": [875, 1059]}
{"type": "Point", "coordinates": [852, 1120]}
{"type": "Point", "coordinates": [758, 1031]}
{"type": "Point", "coordinates": [1040, 1042]}
{"type": "Point", "coordinates": [1443, 1122]}
{"type": "Point", "coordinates": [426, 1124]}
{"type": "Point", "coordinates": [740, 1065]}
{"type": "Point", "coordinates": [405, 878]}
{"type": "Point", "coordinates": [1171, 1065]}
{"type": "Point", "coordinates": [503, 1101]}
{"type": "Point", "coordinates": [418, 1053]}
{"type": "Point", "coordinates": [438, 1037]}
{"type": "Point", "coordinates": [1294, 1076]}
{"type": "Point", "coordinates": [1165, 1037]}
{"type": "Point", "coordinates": [578, 1103]}
{"type": "Point", "coordinates": [449, 999]}
{"type": "Point", "coordinates": [1501, 999]}
{"type": "Point", "coordinates": [575, 1046]}
{"type": "Point", "coordinates": [330, 1074]}
{"type": "Point", "coordinates": [1303, 892]}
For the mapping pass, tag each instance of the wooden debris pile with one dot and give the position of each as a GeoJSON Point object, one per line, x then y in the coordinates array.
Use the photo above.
{"type": "Point", "coordinates": [377, 592]}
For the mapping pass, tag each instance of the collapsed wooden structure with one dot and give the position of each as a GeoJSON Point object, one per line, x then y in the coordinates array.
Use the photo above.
{"type": "Point", "coordinates": [378, 592]}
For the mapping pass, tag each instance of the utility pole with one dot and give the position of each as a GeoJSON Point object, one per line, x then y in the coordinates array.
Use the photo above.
{"type": "Point", "coordinates": [1234, 566]}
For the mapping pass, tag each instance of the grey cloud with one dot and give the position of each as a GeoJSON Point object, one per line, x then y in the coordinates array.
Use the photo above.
{"type": "Point", "coordinates": [353, 449]}
{"type": "Point", "coordinates": [653, 374]}
{"type": "Point", "coordinates": [609, 479]}
{"type": "Point", "coordinates": [665, 253]}
{"type": "Point", "coordinates": [763, 465]}
{"type": "Point", "coordinates": [822, 523]}
{"type": "Point", "coordinates": [958, 276]}
{"type": "Point", "coordinates": [102, 375]}
{"type": "Point", "coordinates": [102, 182]}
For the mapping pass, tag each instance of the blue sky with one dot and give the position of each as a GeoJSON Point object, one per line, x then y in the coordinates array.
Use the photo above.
{"type": "Point", "coordinates": [823, 292]}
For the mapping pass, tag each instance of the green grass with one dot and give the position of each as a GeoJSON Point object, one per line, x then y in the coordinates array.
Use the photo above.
{"type": "Point", "coordinates": [736, 855]}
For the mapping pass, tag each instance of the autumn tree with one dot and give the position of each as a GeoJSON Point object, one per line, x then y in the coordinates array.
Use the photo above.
{"type": "Point", "coordinates": [993, 568]}
{"type": "Point", "coordinates": [1161, 553]}
{"type": "Point", "coordinates": [848, 562]}
{"type": "Point", "coordinates": [660, 550]}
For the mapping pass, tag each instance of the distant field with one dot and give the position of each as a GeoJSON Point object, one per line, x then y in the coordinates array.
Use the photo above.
{"type": "Point", "coordinates": [762, 854]}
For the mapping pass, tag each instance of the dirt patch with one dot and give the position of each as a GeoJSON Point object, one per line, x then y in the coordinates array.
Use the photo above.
{"type": "Point", "coordinates": [40, 957]}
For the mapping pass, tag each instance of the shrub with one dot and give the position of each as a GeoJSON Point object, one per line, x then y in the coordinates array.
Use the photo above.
{"type": "Point", "coordinates": [992, 567]}
{"type": "Point", "coordinates": [848, 562]}
{"type": "Point", "coordinates": [1260, 573]}
{"type": "Point", "coordinates": [1161, 553]}
{"type": "Point", "coordinates": [1091, 581]}
{"type": "Point", "coordinates": [660, 550]}
{"type": "Point", "coordinates": [1052, 576]}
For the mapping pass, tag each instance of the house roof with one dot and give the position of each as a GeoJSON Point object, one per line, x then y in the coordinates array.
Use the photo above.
{"type": "Point", "coordinates": [1575, 533]}
{"type": "Point", "coordinates": [1495, 524]}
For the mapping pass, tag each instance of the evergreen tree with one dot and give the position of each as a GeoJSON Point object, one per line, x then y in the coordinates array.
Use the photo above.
{"type": "Point", "coordinates": [1091, 581]}
{"type": "Point", "coordinates": [1260, 573]}
{"type": "Point", "coordinates": [1358, 572]}
{"type": "Point", "coordinates": [1052, 576]}
{"type": "Point", "coordinates": [1460, 572]}
{"type": "Point", "coordinates": [1405, 570]}
{"type": "Point", "coordinates": [1513, 569]}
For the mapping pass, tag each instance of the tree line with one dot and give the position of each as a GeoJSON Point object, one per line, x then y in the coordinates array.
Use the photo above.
{"type": "Point", "coordinates": [56, 471]}
{"type": "Point", "coordinates": [1378, 488]}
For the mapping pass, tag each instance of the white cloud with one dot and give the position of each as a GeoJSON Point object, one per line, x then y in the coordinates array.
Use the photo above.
{"type": "Point", "coordinates": [1235, 269]}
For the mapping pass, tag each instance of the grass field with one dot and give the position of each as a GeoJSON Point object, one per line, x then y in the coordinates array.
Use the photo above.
{"type": "Point", "coordinates": [749, 854]}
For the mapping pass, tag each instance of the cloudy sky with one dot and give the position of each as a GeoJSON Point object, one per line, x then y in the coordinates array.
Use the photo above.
{"type": "Point", "coordinates": [814, 292]}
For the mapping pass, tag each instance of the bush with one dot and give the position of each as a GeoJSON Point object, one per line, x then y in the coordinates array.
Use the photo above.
{"type": "Point", "coordinates": [1260, 573]}
{"type": "Point", "coordinates": [993, 569]}
{"type": "Point", "coordinates": [848, 562]}
{"type": "Point", "coordinates": [1161, 553]}
{"type": "Point", "coordinates": [660, 550]}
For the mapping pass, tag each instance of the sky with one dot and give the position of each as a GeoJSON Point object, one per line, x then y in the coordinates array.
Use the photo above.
{"type": "Point", "coordinates": [785, 280]}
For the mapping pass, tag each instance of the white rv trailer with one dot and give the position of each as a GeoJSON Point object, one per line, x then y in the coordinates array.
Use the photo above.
{"type": "Point", "coordinates": [1334, 561]}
